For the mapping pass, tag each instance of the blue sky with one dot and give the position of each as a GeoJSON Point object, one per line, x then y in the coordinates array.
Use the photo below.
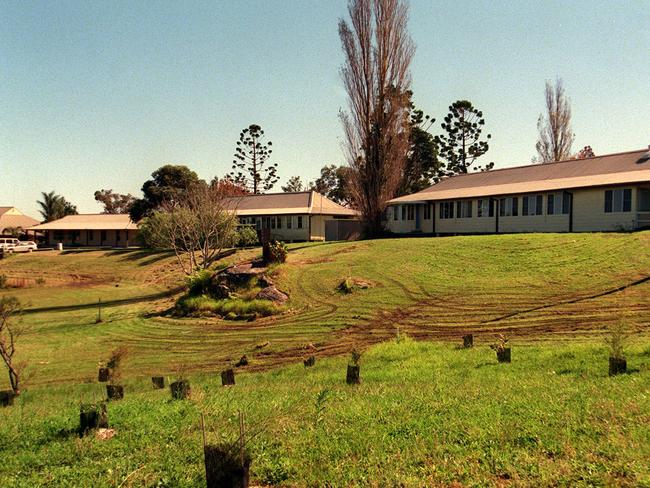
{"type": "Point", "coordinates": [99, 94]}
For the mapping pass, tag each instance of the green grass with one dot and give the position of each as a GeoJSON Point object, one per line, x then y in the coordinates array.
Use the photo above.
{"type": "Point", "coordinates": [232, 308]}
{"type": "Point", "coordinates": [425, 414]}
{"type": "Point", "coordinates": [430, 288]}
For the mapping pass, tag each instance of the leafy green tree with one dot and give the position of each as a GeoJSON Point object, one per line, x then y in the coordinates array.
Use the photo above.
{"type": "Point", "coordinates": [423, 167]}
{"type": "Point", "coordinates": [294, 184]}
{"type": "Point", "coordinates": [53, 207]}
{"type": "Point", "coordinates": [114, 203]}
{"type": "Point", "coordinates": [333, 183]}
{"type": "Point", "coordinates": [462, 145]}
{"type": "Point", "coordinates": [251, 167]}
{"type": "Point", "coordinates": [169, 183]}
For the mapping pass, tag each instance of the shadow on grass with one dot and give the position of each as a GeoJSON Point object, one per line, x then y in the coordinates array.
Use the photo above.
{"type": "Point", "coordinates": [144, 256]}
{"type": "Point", "coordinates": [108, 303]}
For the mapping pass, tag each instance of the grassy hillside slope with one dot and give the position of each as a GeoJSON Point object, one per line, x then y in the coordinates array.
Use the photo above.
{"type": "Point", "coordinates": [530, 286]}
{"type": "Point", "coordinates": [426, 413]}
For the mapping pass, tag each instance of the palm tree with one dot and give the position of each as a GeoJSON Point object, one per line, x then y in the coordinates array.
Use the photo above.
{"type": "Point", "coordinates": [55, 206]}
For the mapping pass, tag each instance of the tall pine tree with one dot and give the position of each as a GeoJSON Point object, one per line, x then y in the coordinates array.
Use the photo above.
{"type": "Point", "coordinates": [251, 167]}
{"type": "Point", "coordinates": [461, 146]}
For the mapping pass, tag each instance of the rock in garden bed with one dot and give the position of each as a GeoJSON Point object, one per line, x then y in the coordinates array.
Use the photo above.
{"type": "Point", "coordinates": [273, 294]}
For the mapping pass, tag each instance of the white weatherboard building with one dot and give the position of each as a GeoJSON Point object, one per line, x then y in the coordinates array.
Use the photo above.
{"type": "Point", "coordinates": [604, 193]}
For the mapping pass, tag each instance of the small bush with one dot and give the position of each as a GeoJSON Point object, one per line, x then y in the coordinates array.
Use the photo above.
{"type": "Point", "coordinates": [349, 285]}
{"type": "Point", "coordinates": [200, 282]}
{"type": "Point", "coordinates": [231, 309]}
{"type": "Point", "coordinates": [616, 340]}
{"type": "Point", "coordinates": [346, 286]}
{"type": "Point", "coordinates": [246, 237]}
{"type": "Point", "coordinates": [275, 252]}
{"type": "Point", "coordinates": [3, 282]}
{"type": "Point", "coordinates": [40, 280]}
{"type": "Point", "coordinates": [501, 344]}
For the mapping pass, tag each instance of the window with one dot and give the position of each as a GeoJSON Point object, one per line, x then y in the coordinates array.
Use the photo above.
{"type": "Point", "coordinates": [91, 235]}
{"type": "Point", "coordinates": [618, 200]}
{"type": "Point", "coordinates": [396, 212]}
{"type": "Point", "coordinates": [289, 221]}
{"type": "Point", "coordinates": [464, 209]}
{"type": "Point", "coordinates": [558, 203]}
{"type": "Point", "coordinates": [403, 212]}
{"type": "Point", "coordinates": [509, 207]}
{"type": "Point", "coordinates": [103, 235]}
{"type": "Point", "coordinates": [427, 211]}
{"type": "Point", "coordinates": [411, 212]}
{"type": "Point", "coordinates": [279, 222]}
{"type": "Point", "coordinates": [446, 210]}
{"type": "Point", "coordinates": [486, 207]}
{"type": "Point", "coordinates": [117, 236]}
{"type": "Point", "coordinates": [299, 226]}
{"type": "Point", "coordinates": [58, 235]}
{"type": "Point", "coordinates": [272, 222]}
{"type": "Point", "coordinates": [532, 205]}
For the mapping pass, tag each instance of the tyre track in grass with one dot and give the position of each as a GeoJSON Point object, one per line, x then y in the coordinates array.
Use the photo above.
{"type": "Point", "coordinates": [562, 323]}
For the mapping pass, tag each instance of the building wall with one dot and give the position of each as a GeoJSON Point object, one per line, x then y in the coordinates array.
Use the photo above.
{"type": "Point", "coordinates": [406, 226]}
{"type": "Point", "coordinates": [589, 212]}
{"type": "Point", "coordinates": [112, 238]}
{"type": "Point", "coordinates": [313, 226]}
{"type": "Point", "coordinates": [588, 216]}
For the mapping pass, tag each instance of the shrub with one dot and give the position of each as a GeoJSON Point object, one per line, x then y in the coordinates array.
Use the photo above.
{"type": "Point", "coordinates": [231, 309]}
{"type": "Point", "coordinates": [501, 343]}
{"type": "Point", "coordinates": [3, 282]}
{"type": "Point", "coordinates": [200, 282]}
{"type": "Point", "coordinates": [275, 252]}
{"type": "Point", "coordinates": [355, 357]}
{"type": "Point", "coordinates": [114, 362]}
{"type": "Point", "coordinates": [346, 286]}
{"type": "Point", "coordinates": [246, 237]}
{"type": "Point", "coordinates": [618, 336]}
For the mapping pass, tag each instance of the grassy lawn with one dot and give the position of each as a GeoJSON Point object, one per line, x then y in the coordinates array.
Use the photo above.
{"type": "Point", "coordinates": [426, 412]}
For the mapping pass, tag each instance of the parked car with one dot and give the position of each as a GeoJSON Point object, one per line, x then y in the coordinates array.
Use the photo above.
{"type": "Point", "coordinates": [8, 244]}
{"type": "Point", "coordinates": [25, 246]}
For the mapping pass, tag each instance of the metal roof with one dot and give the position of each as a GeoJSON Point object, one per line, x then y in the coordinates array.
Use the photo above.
{"type": "Point", "coordinates": [612, 169]}
{"type": "Point", "coordinates": [306, 202]}
{"type": "Point", "coordinates": [90, 222]}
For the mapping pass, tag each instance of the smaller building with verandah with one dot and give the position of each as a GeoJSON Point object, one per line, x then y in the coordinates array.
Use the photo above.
{"type": "Point", "coordinates": [107, 230]}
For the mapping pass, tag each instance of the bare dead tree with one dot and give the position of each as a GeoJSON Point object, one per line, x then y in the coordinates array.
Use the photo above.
{"type": "Point", "coordinates": [555, 132]}
{"type": "Point", "coordinates": [378, 52]}
{"type": "Point", "coordinates": [9, 333]}
{"type": "Point", "coordinates": [198, 227]}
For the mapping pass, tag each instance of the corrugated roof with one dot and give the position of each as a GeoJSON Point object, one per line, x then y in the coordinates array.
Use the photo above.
{"type": "Point", "coordinates": [611, 169]}
{"type": "Point", "coordinates": [11, 217]}
{"type": "Point", "coordinates": [90, 222]}
{"type": "Point", "coordinates": [306, 202]}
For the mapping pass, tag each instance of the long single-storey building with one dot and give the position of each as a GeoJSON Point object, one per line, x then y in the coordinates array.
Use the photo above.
{"type": "Point", "coordinates": [13, 221]}
{"type": "Point", "coordinates": [104, 230]}
{"type": "Point", "coordinates": [299, 216]}
{"type": "Point", "coordinates": [603, 193]}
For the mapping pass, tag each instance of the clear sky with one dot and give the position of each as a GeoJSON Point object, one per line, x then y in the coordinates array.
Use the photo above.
{"type": "Point", "coordinates": [98, 94]}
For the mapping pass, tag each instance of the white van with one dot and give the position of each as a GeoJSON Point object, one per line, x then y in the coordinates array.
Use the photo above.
{"type": "Point", "coordinates": [8, 244]}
